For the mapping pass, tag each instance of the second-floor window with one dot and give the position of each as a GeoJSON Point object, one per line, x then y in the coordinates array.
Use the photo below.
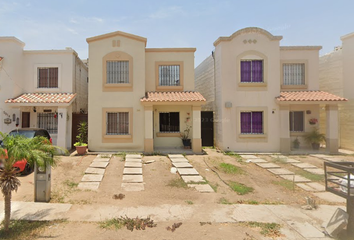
{"type": "Point", "coordinates": [117, 72]}
{"type": "Point", "coordinates": [48, 77]}
{"type": "Point", "coordinates": [169, 75]}
{"type": "Point", "coordinates": [251, 70]}
{"type": "Point", "coordinates": [296, 121]}
{"type": "Point", "coordinates": [293, 73]}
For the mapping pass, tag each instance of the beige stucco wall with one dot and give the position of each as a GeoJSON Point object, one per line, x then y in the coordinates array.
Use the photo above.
{"type": "Point", "coordinates": [187, 58]}
{"type": "Point", "coordinates": [311, 60]}
{"type": "Point", "coordinates": [337, 77]}
{"type": "Point", "coordinates": [80, 86]}
{"type": "Point", "coordinates": [248, 97]}
{"type": "Point", "coordinates": [115, 99]}
{"type": "Point", "coordinates": [204, 82]}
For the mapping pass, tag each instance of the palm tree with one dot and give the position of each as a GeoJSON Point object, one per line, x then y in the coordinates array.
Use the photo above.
{"type": "Point", "coordinates": [36, 150]}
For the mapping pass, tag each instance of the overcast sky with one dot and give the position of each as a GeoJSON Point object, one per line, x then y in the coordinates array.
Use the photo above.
{"type": "Point", "coordinates": [186, 23]}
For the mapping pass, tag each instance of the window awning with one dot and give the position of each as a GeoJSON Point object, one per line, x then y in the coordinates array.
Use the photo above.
{"type": "Point", "coordinates": [308, 96]}
{"type": "Point", "coordinates": [29, 99]}
{"type": "Point", "coordinates": [173, 97]}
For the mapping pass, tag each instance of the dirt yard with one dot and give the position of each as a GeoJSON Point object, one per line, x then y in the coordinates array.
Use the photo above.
{"type": "Point", "coordinates": [163, 187]}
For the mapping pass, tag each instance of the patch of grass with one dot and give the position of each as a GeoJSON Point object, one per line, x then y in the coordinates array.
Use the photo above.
{"type": "Point", "coordinates": [178, 183]}
{"type": "Point", "coordinates": [279, 160]}
{"type": "Point", "coordinates": [224, 201]}
{"type": "Point", "coordinates": [120, 154]}
{"type": "Point", "coordinates": [105, 156]}
{"type": "Point", "coordinates": [235, 155]}
{"type": "Point", "coordinates": [214, 186]}
{"type": "Point", "coordinates": [57, 197]}
{"type": "Point", "coordinates": [189, 202]}
{"type": "Point", "coordinates": [240, 188]}
{"type": "Point", "coordinates": [230, 168]}
{"type": "Point", "coordinates": [311, 176]}
{"type": "Point", "coordinates": [251, 202]}
{"type": "Point", "coordinates": [267, 229]}
{"type": "Point", "coordinates": [284, 183]}
{"type": "Point", "coordinates": [209, 147]}
{"type": "Point", "coordinates": [25, 230]}
{"type": "Point", "coordinates": [130, 223]}
{"type": "Point", "coordinates": [70, 183]}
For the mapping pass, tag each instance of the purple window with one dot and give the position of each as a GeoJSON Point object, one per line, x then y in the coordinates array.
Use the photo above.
{"type": "Point", "coordinates": [252, 71]}
{"type": "Point", "coordinates": [252, 122]}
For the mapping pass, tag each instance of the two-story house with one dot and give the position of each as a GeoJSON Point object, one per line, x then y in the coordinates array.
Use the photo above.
{"type": "Point", "coordinates": [264, 95]}
{"type": "Point", "coordinates": [141, 99]}
{"type": "Point", "coordinates": [337, 77]}
{"type": "Point", "coordinates": [41, 88]}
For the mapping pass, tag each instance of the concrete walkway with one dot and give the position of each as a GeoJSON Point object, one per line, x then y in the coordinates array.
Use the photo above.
{"type": "Point", "coordinates": [296, 223]}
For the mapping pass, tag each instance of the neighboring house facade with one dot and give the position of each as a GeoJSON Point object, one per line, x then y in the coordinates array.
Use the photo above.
{"type": "Point", "coordinates": [263, 95]}
{"type": "Point", "coordinates": [337, 77]}
{"type": "Point", "coordinates": [141, 99]}
{"type": "Point", "coordinates": [41, 88]}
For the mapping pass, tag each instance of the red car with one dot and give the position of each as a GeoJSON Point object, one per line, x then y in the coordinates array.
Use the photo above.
{"type": "Point", "coordinates": [22, 166]}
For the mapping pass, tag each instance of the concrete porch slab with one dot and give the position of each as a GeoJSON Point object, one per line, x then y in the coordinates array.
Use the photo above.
{"type": "Point", "coordinates": [187, 171]}
{"type": "Point", "coordinates": [248, 156]}
{"type": "Point", "coordinates": [133, 160]}
{"type": "Point", "coordinates": [133, 164]}
{"type": "Point", "coordinates": [306, 229]}
{"type": "Point", "coordinates": [133, 156]}
{"type": "Point", "coordinates": [92, 178]}
{"type": "Point", "coordinates": [88, 185]}
{"type": "Point", "coordinates": [303, 165]}
{"type": "Point", "coordinates": [256, 160]}
{"type": "Point", "coordinates": [132, 178]}
{"type": "Point", "coordinates": [133, 187]}
{"type": "Point", "coordinates": [101, 159]}
{"type": "Point", "coordinates": [94, 171]}
{"type": "Point", "coordinates": [132, 171]}
{"type": "Point", "coordinates": [318, 187]}
{"type": "Point", "coordinates": [179, 160]}
{"type": "Point", "coordinates": [297, 179]}
{"type": "Point", "coordinates": [203, 188]}
{"type": "Point", "coordinates": [280, 171]}
{"type": "Point", "coordinates": [182, 165]}
{"type": "Point", "coordinates": [267, 165]}
{"type": "Point", "coordinates": [175, 156]}
{"type": "Point", "coordinates": [99, 164]}
{"type": "Point", "coordinates": [191, 179]}
{"type": "Point", "coordinates": [330, 197]}
{"type": "Point", "coordinates": [317, 171]}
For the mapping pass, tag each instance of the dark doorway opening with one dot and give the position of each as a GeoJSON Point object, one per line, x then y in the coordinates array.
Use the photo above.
{"type": "Point", "coordinates": [26, 119]}
{"type": "Point", "coordinates": [207, 126]}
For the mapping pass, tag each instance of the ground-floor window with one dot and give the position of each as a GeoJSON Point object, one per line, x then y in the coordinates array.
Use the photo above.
{"type": "Point", "coordinates": [117, 123]}
{"type": "Point", "coordinates": [48, 121]}
{"type": "Point", "coordinates": [251, 122]}
{"type": "Point", "coordinates": [169, 121]}
{"type": "Point", "coordinates": [296, 120]}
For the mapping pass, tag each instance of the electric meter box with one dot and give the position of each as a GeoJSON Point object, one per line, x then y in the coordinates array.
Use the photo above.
{"type": "Point", "coordinates": [42, 186]}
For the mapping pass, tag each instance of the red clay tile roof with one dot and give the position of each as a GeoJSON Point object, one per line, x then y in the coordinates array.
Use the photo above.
{"type": "Point", "coordinates": [173, 97]}
{"type": "Point", "coordinates": [43, 98]}
{"type": "Point", "coordinates": [312, 96]}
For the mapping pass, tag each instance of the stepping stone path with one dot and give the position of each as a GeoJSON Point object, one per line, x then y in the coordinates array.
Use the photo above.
{"type": "Point", "coordinates": [300, 181]}
{"type": "Point", "coordinates": [133, 173]}
{"type": "Point", "coordinates": [189, 174]}
{"type": "Point", "coordinates": [94, 173]}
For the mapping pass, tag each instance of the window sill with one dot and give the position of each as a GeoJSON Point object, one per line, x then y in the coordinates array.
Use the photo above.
{"type": "Point", "coordinates": [294, 86]}
{"type": "Point", "coordinates": [117, 138]}
{"type": "Point", "coordinates": [252, 84]}
{"type": "Point", "coordinates": [252, 135]}
{"type": "Point", "coordinates": [118, 87]}
{"type": "Point", "coordinates": [167, 134]}
{"type": "Point", "coordinates": [169, 88]}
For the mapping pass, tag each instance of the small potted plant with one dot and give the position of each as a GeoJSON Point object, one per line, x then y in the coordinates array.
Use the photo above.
{"type": "Point", "coordinates": [296, 143]}
{"type": "Point", "coordinates": [315, 138]}
{"type": "Point", "coordinates": [313, 121]}
{"type": "Point", "coordinates": [185, 135]}
{"type": "Point", "coordinates": [81, 144]}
